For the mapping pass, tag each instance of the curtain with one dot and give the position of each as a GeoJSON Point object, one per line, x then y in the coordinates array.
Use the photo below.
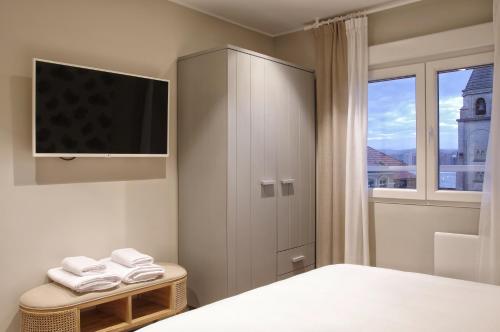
{"type": "Point", "coordinates": [489, 222]}
{"type": "Point", "coordinates": [342, 115]}
{"type": "Point", "coordinates": [356, 182]}
{"type": "Point", "coordinates": [331, 80]}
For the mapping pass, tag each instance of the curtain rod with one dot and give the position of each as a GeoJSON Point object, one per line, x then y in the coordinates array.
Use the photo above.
{"type": "Point", "coordinates": [368, 11]}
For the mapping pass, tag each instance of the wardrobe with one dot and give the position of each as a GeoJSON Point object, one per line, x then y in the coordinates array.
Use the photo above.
{"type": "Point", "coordinates": [246, 165]}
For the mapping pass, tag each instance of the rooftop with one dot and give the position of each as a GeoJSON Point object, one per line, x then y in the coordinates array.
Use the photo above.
{"type": "Point", "coordinates": [378, 158]}
{"type": "Point", "coordinates": [481, 78]}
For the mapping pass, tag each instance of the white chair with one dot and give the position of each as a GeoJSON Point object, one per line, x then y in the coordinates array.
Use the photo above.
{"type": "Point", "coordinates": [456, 255]}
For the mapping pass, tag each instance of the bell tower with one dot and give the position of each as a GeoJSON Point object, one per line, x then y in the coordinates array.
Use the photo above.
{"type": "Point", "coordinates": [474, 127]}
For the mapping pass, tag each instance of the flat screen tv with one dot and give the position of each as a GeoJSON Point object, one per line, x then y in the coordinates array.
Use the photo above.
{"type": "Point", "coordinates": [87, 112]}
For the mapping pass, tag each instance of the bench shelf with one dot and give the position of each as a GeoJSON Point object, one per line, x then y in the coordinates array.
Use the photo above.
{"type": "Point", "coordinates": [52, 307]}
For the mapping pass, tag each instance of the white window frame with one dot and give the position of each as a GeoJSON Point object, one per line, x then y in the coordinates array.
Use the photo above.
{"type": "Point", "coordinates": [432, 109]}
{"type": "Point", "coordinates": [417, 70]}
{"type": "Point", "coordinates": [425, 50]}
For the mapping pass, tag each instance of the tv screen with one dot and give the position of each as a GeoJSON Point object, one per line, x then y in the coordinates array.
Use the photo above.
{"type": "Point", "coordinates": [81, 111]}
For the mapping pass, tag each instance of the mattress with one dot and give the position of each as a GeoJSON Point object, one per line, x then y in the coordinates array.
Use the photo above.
{"type": "Point", "coordinates": [350, 298]}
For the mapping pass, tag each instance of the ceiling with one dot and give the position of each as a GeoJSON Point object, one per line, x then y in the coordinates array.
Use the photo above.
{"type": "Point", "coordinates": [276, 17]}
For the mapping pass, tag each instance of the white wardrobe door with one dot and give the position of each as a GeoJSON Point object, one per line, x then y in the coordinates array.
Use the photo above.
{"type": "Point", "coordinates": [263, 171]}
{"type": "Point", "coordinates": [296, 158]}
{"type": "Point", "coordinates": [252, 231]}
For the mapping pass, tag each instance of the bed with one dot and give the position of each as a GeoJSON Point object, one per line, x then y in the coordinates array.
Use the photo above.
{"type": "Point", "coordinates": [350, 298]}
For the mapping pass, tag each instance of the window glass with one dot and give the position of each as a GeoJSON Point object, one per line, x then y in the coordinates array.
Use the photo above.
{"type": "Point", "coordinates": [392, 129]}
{"type": "Point", "coordinates": [464, 126]}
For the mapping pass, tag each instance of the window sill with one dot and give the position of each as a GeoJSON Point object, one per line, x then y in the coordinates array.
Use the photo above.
{"type": "Point", "coordinates": [424, 202]}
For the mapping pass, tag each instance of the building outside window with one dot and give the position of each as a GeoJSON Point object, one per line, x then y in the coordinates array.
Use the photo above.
{"type": "Point", "coordinates": [464, 125]}
{"type": "Point", "coordinates": [428, 129]}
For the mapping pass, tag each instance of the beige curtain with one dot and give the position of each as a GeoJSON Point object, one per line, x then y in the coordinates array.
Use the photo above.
{"type": "Point", "coordinates": [332, 104]}
{"type": "Point", "coordinates": [356, 180]}
{"type": "Point", "coordinates": [489, 221]}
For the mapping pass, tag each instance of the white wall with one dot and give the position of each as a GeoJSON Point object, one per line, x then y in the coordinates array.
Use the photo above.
{"type": "Point", "coordinates": [402, 235]}
{"type": "Point", "coordinates": [51, 208]}
{"type": "Point", "coordinates": [418, 19]}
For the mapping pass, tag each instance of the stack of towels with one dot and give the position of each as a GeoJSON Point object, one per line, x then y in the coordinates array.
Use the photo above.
{"type": "Point", "coordinates": [132, 266]}
{"type": "Point", "coordinates": [84, 274]}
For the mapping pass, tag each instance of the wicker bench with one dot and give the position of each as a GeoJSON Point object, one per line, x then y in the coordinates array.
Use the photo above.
{"type": "Point", "coordinates": [52, 307]}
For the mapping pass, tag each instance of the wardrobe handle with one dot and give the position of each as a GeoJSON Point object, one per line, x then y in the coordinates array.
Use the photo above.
{"type": "Point", "coordinates": [267, 182]}
{"type": "Point", "coordinates": [288, 181]}
{"type": "Point", "coordinates": [297, 259]}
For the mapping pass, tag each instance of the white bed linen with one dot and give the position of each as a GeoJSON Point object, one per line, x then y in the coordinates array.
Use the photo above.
{"type": "Point", "coordinates": [350, 298]}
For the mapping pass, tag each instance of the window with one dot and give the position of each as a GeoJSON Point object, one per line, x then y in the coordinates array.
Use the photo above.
{"type": "Point", "coordinates": [428, 129]}
{"type": "Point", "coordinates": [392, 144]}
{"type": "Point", "coordinates": [480, 106]}
{"type": "Point", "coordinates": [479, 155]}
{"type": "Point", "coordinates": [395, 165]}
{"type": "Point", "coordinates": [382, 181]}
{"type": "Point", "coordinates": [463, 132]}
{"type": "Point", "coordinates": [459, 125]}
{"type": "Point", "coordinates": [479, 177]}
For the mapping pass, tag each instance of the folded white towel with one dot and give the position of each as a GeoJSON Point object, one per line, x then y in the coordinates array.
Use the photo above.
{"type": "Point", "coordinates": [130, 275]}
{"type": "Point", "coordinates": [86, 283]}
{"type": "Point", "coordinates": [82, 266]}
{"type": "Point", "coordinates": [130, 257]}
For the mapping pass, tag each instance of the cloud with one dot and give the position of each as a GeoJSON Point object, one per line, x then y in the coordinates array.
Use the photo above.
{"type": "Point", "coordinates": [405, 120]}
{"type": "Point", "coordinates": [451, 85]}
{"type": "Point", "coordinates": [452, 124]}
{"type": "Point", "coordinates": [449, 112]}
{"type": "Point", "coordinates": [391, 117]}
{"type": "Point", "coordinates": [451, 104]}
{"type": "Point", "coordinates": [392, 111]}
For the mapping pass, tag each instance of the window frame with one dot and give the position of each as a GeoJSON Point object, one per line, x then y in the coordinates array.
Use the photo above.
{"type": "Point", "coordinates": [432, 115]}
{"type": "Point", "coordinates": [417, 70]}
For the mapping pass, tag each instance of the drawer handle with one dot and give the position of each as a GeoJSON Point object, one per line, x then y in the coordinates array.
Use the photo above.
{"type": "Point", "coordinates": [288, 181]}
{"type": "Point", "coordinates": [297, 259]}
{"type": "Point", "coordinates": [267, 182]}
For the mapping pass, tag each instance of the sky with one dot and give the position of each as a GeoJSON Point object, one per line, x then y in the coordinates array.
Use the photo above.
{"type": "Point", "coordinates": [451, 85]}
{"type": "Point", "coordinates": [391, 111]}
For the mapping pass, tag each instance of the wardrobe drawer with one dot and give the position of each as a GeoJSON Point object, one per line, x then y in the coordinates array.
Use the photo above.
{"type": "Point", "coordinates": [296, 258]}
{"type": "Point", "coordinates": [296, 272]}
